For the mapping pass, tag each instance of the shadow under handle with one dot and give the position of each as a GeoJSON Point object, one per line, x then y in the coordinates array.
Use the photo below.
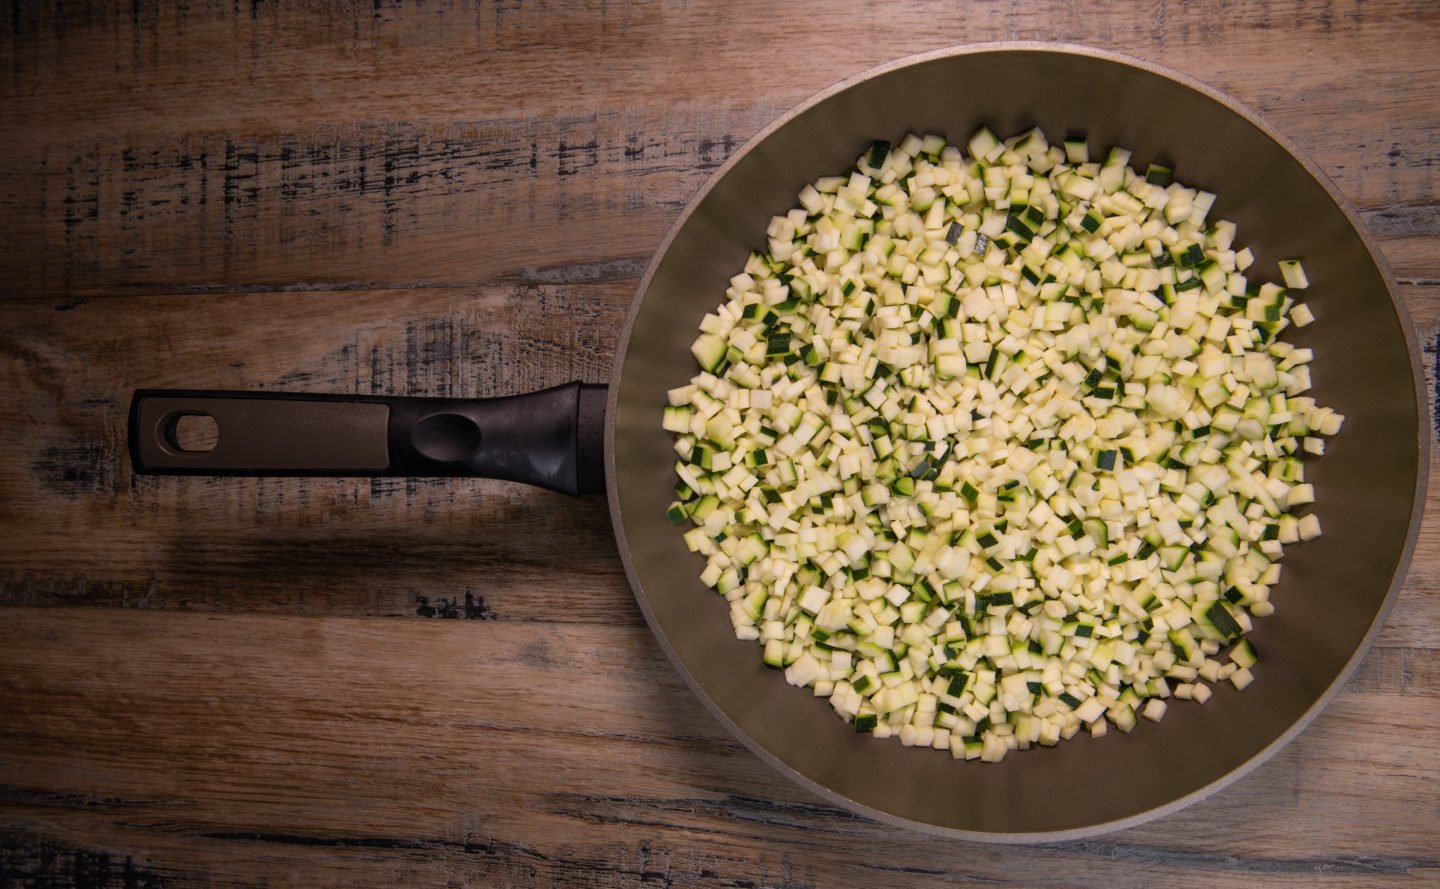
{"type": "Point", "coordinates": [553, 438]}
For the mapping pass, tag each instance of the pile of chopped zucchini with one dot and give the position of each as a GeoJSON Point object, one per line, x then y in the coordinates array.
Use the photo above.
{"type": "Point", "coordinates": [991, 450]}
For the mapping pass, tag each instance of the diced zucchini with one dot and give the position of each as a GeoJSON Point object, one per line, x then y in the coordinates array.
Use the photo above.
{"type": "Point", "coordinates": [709, 350]}
{"type": "Point", "coordinates": [991, 449]}
{"type": "Point", "coordinates": [1293, 274]}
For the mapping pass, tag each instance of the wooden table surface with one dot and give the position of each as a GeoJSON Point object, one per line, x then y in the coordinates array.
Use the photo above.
{"type": "Point", "coordinates": [391, 682]}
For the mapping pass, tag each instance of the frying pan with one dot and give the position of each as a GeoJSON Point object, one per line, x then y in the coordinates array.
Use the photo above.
{"type": "Point", "coordinates": [1331, 601]}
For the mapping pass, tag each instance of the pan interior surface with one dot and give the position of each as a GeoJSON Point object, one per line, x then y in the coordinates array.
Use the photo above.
{"type": "Point", "coordinates": [1332, 592]}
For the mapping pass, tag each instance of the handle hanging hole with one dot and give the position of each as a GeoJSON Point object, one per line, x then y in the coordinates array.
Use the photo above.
{"type": "Point", "coordinates": [193, 433]}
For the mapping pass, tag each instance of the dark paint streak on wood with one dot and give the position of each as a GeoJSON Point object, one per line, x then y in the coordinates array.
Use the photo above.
{"type": "Point", "coordinates": [623, 268]}
{"type": "Point", "coordinates": [79, 469]}
{"type": "Point", "coordinates": [1433, 350]}
{"type": "Point", "coordinates": [27, 862]}
{"type": "Point", "coordinates": [25, 590]}
{"type": "Point", "coordinates": [472, 608]}
{"type": "Point", "coordinates": [715, 152]}
{"type": "Point", "coordinates": [41, 799]}
{"type": "Point", "coordinates": [314, 192]}
{"type": "Point", "coordinates": [1403, 221]}
{"type": "Point", "coordinates": [950, 877]}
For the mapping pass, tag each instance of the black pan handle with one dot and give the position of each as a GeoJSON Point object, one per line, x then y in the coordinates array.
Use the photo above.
{"type": "Point", "coordinates": [553, 438]}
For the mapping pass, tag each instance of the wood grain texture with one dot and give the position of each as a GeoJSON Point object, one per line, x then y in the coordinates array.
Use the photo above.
{"type": "Point", "coordinates": [376, 146]}
{"type": "Point", "coordinates": [532, 755]}
{"type": "Point", "coordinates": [428, 682]}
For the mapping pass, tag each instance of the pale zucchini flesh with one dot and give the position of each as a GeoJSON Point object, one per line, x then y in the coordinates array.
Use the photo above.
{"type": "Point", "coordinates": [993, 445]}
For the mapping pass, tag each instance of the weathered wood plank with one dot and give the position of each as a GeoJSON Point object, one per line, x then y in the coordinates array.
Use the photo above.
{"type": "Point", "coordinates": [332, 750]}
{"type": "Point", "coordinates": [225, 71]}
{"type": "Point", "coordinates": [259, 152]}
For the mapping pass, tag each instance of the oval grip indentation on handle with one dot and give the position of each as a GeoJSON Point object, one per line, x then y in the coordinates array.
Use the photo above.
{"type": "Point", "coordinates": [446, 437]}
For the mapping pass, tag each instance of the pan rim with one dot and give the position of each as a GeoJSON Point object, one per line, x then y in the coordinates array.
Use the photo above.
{"type": "Point", "coordinates": [1402, 564]}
